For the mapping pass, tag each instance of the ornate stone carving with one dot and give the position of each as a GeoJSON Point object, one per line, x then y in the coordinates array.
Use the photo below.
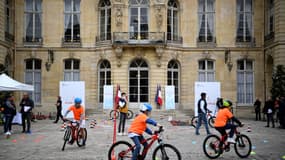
{"type": "Point", "coordinates": [159, 18]}
{"type": "Point", "coordinates": [119, 54]}
{"type": "Point", "coordinates": [119, 15]}
{"type": "Point", "coordinates": [159, 52]}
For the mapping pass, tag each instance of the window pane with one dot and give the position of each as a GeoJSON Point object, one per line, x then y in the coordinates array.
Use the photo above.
{"type": "Point", "coordinates": [202, 77]}
{"type": "Point", "coordinates": [67, 64]}
{"type": "Point", "coordinates": [76, 64]}
{"type": "Point", "coordinates": [67, 4]}
{"type": "Point", "coordinates": [67, 76]}
{"type": "Point", "coordinates": [202, 65]}
{"type": "Point", "coordinates": [29, 5]}
{"type": "Point", "coordinates": [210, 65]}
{"type": "Point", "coordinates": [29, 64]}
{"type": "Point", "coordinates": [38, 64]}
{"type": "Point", "coordinates": [76, 76]}
{"type": "Point", "coordinates": [249, 65]}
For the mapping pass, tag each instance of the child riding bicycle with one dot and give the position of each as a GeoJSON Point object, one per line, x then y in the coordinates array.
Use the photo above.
{"type": "Point", "coordinates": [222, 121]}
{"type": "Point", "coordinates": [139, 126]}
{"type": "Point", "coordinates": [79, 116]}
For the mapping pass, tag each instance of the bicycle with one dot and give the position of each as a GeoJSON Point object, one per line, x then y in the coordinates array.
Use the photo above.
{"type": "Point", "coordinates": [211, 119]}
{"type": "Point", "coordinates": [123, 149]}
{"type": "Point", "coordinates": [130, 114]}
{"type": "Point", "coordinates": [214, 146]}
{"type": "Point", "coordinates": [80, 137]}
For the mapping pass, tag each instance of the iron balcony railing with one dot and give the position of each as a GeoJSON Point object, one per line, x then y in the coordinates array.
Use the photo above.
{"type": "Point", "coordinates": [139, 38]}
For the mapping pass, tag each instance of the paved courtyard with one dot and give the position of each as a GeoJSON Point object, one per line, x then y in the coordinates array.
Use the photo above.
{"type": "Point", "coordinates": [46, 141]}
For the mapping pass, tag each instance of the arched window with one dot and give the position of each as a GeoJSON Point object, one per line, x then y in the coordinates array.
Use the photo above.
{"type": "Point", "coordinates": [139, 19]}
{"type": "Point", "coordinates": [104, 77]}
{"type": "Point", "coordinates": [173, 77]}
{"type": "Point", "coordinates": [172, 20]}
{"type": "Point", "coordinates": [245, 81]}
{"type": "Point", "coordinates": [138, 81]}
{"type": "Point", "coordinates": [71, 70]}
{"type": "Point", "coordinates": [105, 20]}
{"type": "Point", "coordinates": [33, 76]}
{"type": "Point", "coordinates": [206, 71]}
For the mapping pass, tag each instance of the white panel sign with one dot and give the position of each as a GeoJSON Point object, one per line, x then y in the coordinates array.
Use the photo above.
{"type": "Point", "coordinates": [169, 97]}
{"type": "Point", "coordinates": [69, 90]}
{"type": "Point", "coordinates": [212, 90]}
{"type": "Point", "coordinates": [108, 97]}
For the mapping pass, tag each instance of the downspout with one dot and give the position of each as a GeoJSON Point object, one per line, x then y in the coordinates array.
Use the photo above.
{"type": "Point", "coordinates": [264, 54]}
{"type": "Point", "coordinates": [15, 37]}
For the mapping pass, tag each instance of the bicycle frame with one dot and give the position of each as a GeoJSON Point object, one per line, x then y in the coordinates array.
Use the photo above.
{"type": "Point", "coordinates": [74, 129]}
{"type": "Point", "coordinates": [152, 139]}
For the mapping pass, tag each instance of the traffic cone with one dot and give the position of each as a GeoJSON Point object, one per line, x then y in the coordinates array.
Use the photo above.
{"type": "Point", "coordinates": [248, 128]}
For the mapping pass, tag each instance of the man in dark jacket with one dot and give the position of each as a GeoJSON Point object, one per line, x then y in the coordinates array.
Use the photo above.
{"type": "Point", "coordinates": [257, 109]}
{"type": "Point", "coordinates": [26, 109]}
{"type": "Point", "coordinates": [58, 108]}
{"type": "Point", "coordinates": [269, 110]}
{"type": "Point", "coordinates": [202, 113]}
{"type": "Point", "coordinates": [9, 113]}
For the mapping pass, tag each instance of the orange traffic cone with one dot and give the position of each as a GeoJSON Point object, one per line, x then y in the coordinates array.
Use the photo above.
{"type": "Point", "coordinates": [248, 128]}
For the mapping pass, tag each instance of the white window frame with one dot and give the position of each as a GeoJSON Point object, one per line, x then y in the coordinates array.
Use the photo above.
{"type": "Point", "coordinates": [206, 71]}
{"type": "Point", "coordinates": [174, 34]}
{"type": "Point", "coordinates": [245, 82]}
{"type": "Point", "coordinates": [33, 71]}
{"type": "Point", "coordinates": [34, 12]}
{"type": "Point", "coordinates": [105, 70]}
{"type": "Point", "coordinates": [106, 8]}
{"type": "Point", "coordinates": [71, 71]}
{"type": "Point", "coordinates": [173, 70]}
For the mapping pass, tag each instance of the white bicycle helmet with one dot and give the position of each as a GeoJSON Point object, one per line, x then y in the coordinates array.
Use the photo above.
{"type": "Point", "coordinates": [146, 107]}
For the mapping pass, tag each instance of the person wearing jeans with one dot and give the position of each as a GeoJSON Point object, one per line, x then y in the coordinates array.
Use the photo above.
{"type": "Point", "coordinates": [123, 108]}
{"type": "Point", "coordinates": [202, 112]}
{"type": "Point", "coordinates": [26, 109]}
{"type": "Point", "coordinates": [9, 113]}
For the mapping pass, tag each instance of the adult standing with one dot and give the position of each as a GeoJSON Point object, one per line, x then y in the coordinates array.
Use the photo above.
{"type": "Point", "coordinates": [9, 113]}
{"type": "Point", "coordinates": [123, 108]}
{"type": "Point", "coordinates": [269, 110]}
{"type": "Point", "coordinates": [58, 109]}
{"type": "Point", "coordinates": [202, 112]}
{"type": "Point", "coordinates": [27, 105]}
{"type": "Point", "coordinates": [257, 109]}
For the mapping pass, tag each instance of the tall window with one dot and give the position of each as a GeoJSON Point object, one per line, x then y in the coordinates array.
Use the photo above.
{"type": "Point", "coordinates": [206, 13]}
{"type": "Point", "coordinates": [172, 20]}
{"type": "Point", "coordinates": [245, 81]}
{"type": "Point", "coordinates": [173, 72]}
{"type": "Point", "coordinates": [206, 71]}
{"type": "Point", "coordinates": [8, 16]}
{"type": "Point", "coordinates": [270, 16]}
{"type": "Point", "coordinates": [244, 21]}
{"type": "Point", "coordinates": [104, 77]}
{"type": "Point", "coordinates": [33, 77]}
{"type": "Point", "coordinates": [71, 70]}
{"type": "Point", "coordinates": [105, 20]}
{"type": "Point", "coordinates": [139, 19]}
{"type": "Point", "coordinates": [33, 13]}
{"type": "Point", "coordinates": [138, 81]}
{"type": "Point", "coordinates": [72, 21]}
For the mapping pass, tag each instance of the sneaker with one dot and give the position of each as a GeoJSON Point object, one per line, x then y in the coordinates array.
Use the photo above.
{"type": "Point", "coordinates": [120, 134]}
{"type": "Point", "coordinates": [9, 133]}
{"type": "Point", "coordinates": [23, 131]}
{"type": "Point", "coordinates": [124, 134]}
{"type": "Point", "coordinates": [231, 140]}
{"type": "Point", "coordinates": [6, 133]}
{"type": "Point", "coordinates": [71, 142]}
{"type": "Point", "coordinates": [197, 133]}
{"type": "Point", "coordinates": [29, 132]}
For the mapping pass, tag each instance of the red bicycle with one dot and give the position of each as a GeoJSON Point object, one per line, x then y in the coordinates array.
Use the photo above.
{"type": "Point", "coordinates": [80, 134]}
{"type": "Point", "coordinates": [123, 150]}
{"type": "Point", "coordinates": [214, 146]}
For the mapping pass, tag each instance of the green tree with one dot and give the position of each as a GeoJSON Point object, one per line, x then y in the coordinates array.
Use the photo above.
{"type": "Point", "coordinates": [278, 82]}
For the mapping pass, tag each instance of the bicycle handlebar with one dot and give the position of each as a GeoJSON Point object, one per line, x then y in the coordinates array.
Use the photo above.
{"type": "Point", "coordinates": [159, 130]}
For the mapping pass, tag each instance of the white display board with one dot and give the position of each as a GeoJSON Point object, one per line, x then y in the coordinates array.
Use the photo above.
{"type": "Point", "coordinates": [212, 90]}
{"type": "Point", "coordinates": [169, 97]}
{"type": "Point", "coordinates": [68, 91]}
{"type": "Point", "coordinates": [108, 97]}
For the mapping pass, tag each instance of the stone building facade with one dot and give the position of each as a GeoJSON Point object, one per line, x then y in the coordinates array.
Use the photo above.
{"type": "Point", "coordinates": [140, 44]}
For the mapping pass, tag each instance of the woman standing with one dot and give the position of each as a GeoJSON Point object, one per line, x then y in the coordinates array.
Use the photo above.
{"type": "Point", "coordinates": [9, 113]}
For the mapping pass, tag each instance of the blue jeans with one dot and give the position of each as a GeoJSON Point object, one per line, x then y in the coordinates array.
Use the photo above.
{"type": "Point", "coordinates": [202, 117]}
{"type": "Point", "coordinates": [8, 122]}
{"type": "Point", "coordinates": [223, 132]}
{"type": "Point", "coordinates": [137, 140]}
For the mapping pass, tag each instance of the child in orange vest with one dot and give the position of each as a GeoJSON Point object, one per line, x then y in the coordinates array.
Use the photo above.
{"type": "Point", "coordinates": [139, 126]}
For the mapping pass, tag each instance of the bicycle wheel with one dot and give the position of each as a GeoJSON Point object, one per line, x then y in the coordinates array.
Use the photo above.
{"type": "Point", "coordinates": [211, 146]}
{"type": "Point", "coordinates": [243, 146]}
{"type": "Point", "coordinates": [112, 114]}
{"type": "Point", "coordinates": [166, 152]}
{"type": "Point", "coordinates": [66, 137]}
{"type": "Point", "coordinates": [81, 137]}
{"type": "Point", "coordinates": [120, 150]}
{"type": "Point", "coordinates": [130, 114]}
{"type": "Point", "coordinates": [194, 121]}
{"type": "Point", "coordinates": [211, 121]}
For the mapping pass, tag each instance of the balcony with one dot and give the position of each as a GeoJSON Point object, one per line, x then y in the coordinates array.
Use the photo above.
{"type": "Point", "coordinates": [174, 39]}
{"type": "Point", "coordinates": [206, 42]}
{"type": "Point", "coordinates": [139, 38]}
{"type": "Point", "coordinates": [247, 41]}
{"type": "Point", "coordinates": [71, 42]}
{"type": "Point", "coordinates": [102, 40]}
{"type": "Point", "coordinates": [33, 41]}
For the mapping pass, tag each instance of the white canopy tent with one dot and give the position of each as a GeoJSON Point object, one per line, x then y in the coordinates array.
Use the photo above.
{"type": "Point", "coordinates": [9, 84]}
